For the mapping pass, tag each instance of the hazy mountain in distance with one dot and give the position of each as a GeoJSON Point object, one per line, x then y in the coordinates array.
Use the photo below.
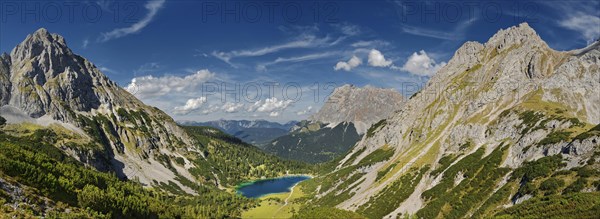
{"type": "Point", "coordinates": [256, 132]}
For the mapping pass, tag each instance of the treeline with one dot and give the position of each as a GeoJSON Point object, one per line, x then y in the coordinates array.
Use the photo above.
{"type": "Point", "coordinates": [234, 161]}
{"type": "Point", "coordinates": [88, 193]}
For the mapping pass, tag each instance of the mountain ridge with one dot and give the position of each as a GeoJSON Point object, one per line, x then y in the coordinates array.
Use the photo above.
{"type": "Point", "coordinates": [512, 100]}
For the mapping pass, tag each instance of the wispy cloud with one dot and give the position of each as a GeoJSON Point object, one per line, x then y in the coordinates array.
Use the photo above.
{"type": "Point", "coordinates": [153, 7]}
{"type": "Point", "coordinates": [263, 67]}
{"type": "Point", "coordinates": [348, 29]}
{"type": "Point", "coordinates": [146, 68]}
{"type": "Point", "coordinates": [579, 16]}
{"type": "Point", "coordinates": [371, 43]}
{"type": "Point", "coordinates": [458, 33]}
{"type": "Point", "coordinates": [105, 70]}
{"type": "Point", "coordinates": [309, 41]}
{"type": "Point", "coordinates": [587, 25]}
{"type": "Point", "coordinates": [85, 43]}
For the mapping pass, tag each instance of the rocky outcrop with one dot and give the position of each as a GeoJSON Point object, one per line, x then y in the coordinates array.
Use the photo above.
{"type": "Point", "coordinates": [361, 106]}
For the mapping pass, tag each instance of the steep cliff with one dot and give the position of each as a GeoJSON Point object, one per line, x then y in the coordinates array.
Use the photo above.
{"type": "Point", "coordinates": [362, 106]}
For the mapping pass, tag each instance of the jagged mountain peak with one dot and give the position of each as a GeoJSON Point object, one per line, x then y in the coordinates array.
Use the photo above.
{"type": "Point", "coordinates": [38, 42]}
{"type": "Point", "coordinates": [521, 34]}
{"type": "Point", "coordinates": [362, 106]}
{"type": "Point", "coordinates": [533, 62]}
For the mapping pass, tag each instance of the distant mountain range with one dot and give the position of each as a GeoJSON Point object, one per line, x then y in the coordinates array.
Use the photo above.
{"type": "Point", "coordinates": [256, 132]}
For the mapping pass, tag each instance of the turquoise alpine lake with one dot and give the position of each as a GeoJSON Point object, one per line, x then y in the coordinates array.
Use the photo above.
{"type": "Point", "coordinates": [258, 188]}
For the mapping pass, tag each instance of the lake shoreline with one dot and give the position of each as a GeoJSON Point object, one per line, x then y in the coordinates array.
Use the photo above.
{"type": "Point", "coordinates": [310, 176]}
{"type": "Point", "coordinates": [244, 185]}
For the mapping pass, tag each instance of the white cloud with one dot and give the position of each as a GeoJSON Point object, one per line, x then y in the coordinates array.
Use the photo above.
{"type": "Point", "coordinates": [587, 25]}
{"type": "Point", "coordinates": [105, 70]}
{"type": "Point", "coordinates": [150, 86]}
{"type": "Point", "coordinates": [421, 64]}
{"type": "Point", "coordinates": [274, 114]}
{"type": "Point", "coordinates": [263, 67]}
{"type": "Point", "coordinates": [85, 43]}
{"type": "Point", "coordinates": [232, 107]}
{"type": "Point", "coordinates": [457, 33]}
{"type": "Point", "coordinates": [347, 66]}
{"type": "Point", "coordinates": [377, 59]}
{"type": "Point", "coordinates": [210, 109]}
{"type": "Point", "coordinates": [190, 105]}
{"type": "Point", "coordinates": [305, 41]}
{"type": "Point", "coordinates": [372, 43]}
{"type": "Point", "coordinates": [152, 6]}
{"type": "Point", "coordinates": [348, 29]}
{"type": "Point", "coordinates": [304, 112]}
{"type": "Point", "coordinates": [147, 68]}
{"type": "Point", "coordinates": [270, 105]}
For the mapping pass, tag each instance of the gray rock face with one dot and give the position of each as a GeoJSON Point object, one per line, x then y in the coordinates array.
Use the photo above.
{"type": "Point", "coordinates": [482, 97]}
{"type": "Point", "coordinates": [44, 69]}
{"type": "Point", "coordinates": [42, 77]}
{"type": "Point", "coordinates": [362, 106]}
{"type": "Point", "coordinates": [5, 85]}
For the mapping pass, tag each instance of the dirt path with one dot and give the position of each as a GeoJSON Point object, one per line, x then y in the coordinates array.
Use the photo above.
{"type": "Point", "coordinates": [285, 202]}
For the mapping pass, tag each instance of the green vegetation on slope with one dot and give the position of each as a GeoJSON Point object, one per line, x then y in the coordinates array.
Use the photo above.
{"type": "Point", "coordinates": [234, 161]}
{"type": "Point", "coordinates": [479, 177]}
{"type": "Point", "coordinates": [374, 128]}
{"type": "Point", "coordinates": [87, 193]}
{"type": "Point", "coordinates": [329, 213]}
{"type": "Point", "coordinates": [379, 155]}
{"type": "Point", "coordinates": [314, 143]}
{"type": "Point", "coordinates": [388, 199]}
{"type": "Point", "coordinates": [577, 205]}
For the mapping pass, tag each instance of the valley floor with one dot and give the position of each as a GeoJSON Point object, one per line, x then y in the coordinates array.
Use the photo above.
{"type": "Point", "coordinates": [279, 205]}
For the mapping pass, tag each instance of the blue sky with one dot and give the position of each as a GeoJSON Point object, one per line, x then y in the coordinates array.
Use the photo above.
{"type": "Point", "coordinates": [179, 55]}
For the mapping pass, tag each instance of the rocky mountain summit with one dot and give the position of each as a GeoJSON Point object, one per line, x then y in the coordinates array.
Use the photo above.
{"type": "Point", "coordinates": [489, 127]}
{"type": "Point", "coordinates": [346, 115]}
{"type": "Point", "coordinates": [43, 82]}
{"type": "Point", "coordinates": [362, 106]}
